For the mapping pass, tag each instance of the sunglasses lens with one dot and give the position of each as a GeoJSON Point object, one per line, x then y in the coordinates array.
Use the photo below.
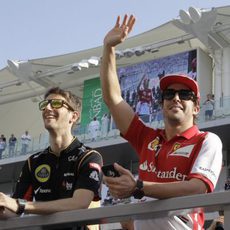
{"type": "Point", "coordinates": [56, 104]}
{"type": "Point", "coordinates": [43, 104]}
{"type": "Point", "coordinates": [168, 94]}
{"type": "Point", "coordinates": [186, 95]}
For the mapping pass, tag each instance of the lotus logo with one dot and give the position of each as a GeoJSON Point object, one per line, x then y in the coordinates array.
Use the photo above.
{"type": "Point", "coordinates": [42, 173]}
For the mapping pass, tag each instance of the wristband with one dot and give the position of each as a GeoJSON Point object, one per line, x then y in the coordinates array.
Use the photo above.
{"type": "Point", "coordinates": [139, 192]}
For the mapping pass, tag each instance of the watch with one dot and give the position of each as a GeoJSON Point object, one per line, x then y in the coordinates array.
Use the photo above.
{"type": "Point", "coordinates": [21, 206]}
{"type": "Point", "coordinates": [139, 192]}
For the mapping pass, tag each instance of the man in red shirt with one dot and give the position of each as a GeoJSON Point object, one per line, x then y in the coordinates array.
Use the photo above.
{"type": "Point", "coordinates": [176, 161]}
{"type": "Point", "coordinates": [145, 99]}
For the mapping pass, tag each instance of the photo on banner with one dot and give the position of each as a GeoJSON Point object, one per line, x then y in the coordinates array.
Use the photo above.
{"type": "Point", "coordinates": [140, 82]}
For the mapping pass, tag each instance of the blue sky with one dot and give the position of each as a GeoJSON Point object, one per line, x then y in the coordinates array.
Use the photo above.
{"type": "Point", "coordinates": [34, 29]}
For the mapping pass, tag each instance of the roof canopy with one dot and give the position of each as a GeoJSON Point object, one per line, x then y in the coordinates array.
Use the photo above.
{"type": "Point", "coordinates": [209, 30]}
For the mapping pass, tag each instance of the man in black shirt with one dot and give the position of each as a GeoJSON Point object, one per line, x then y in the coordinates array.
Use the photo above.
{"type": "Point", "coordinates": [66, 175]}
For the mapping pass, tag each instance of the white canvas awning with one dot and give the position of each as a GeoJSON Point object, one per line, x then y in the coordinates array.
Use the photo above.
{"type": "Point", "coordinates": [29, 78]}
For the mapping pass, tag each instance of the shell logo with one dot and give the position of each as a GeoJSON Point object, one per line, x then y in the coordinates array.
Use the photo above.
{"type": "Point", "coordinates": [153, 145]}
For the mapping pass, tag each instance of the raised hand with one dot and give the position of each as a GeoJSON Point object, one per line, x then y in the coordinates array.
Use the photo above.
{"type": "Point", "coordinates": [120, 31]}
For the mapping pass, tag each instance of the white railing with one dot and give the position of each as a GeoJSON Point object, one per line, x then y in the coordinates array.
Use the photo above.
{"type": "Point", "coordinates": [112, 214]}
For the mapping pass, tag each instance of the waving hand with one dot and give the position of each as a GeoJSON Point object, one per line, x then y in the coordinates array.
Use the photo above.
{"type": "Point", "coordinates": [120, 31]}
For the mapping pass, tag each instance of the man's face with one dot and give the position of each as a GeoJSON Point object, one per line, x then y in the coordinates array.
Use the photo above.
{"type": "Point", "coordinates": [58, 119]}
{"type": "Point", "coordinates": [179, 111]}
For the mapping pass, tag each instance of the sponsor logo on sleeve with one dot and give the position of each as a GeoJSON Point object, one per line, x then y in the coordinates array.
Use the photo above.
{"type": "Point", "coordinates": [94, 175]}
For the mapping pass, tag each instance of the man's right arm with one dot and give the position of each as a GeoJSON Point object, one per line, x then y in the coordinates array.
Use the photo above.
{"type": "Point", "coordinates": [120, 110]}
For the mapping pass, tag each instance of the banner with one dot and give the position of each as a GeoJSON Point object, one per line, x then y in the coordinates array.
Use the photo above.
{"type": "Point", "coordinates": [92, 102]}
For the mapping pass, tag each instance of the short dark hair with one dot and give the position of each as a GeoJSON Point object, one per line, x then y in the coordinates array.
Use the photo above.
{"type": "Point", "coordinates": [71, 98]}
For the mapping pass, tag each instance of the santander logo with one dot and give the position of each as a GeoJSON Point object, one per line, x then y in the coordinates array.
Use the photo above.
{"type": "Point", "coordinates": [172, 174]}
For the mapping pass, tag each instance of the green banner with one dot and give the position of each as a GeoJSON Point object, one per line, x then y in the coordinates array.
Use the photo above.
{"type": "Point", "coordinates": [92, 102]}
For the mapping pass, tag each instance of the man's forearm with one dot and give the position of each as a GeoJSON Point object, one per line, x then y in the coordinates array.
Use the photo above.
{"type": "Point", "coordinates": [49, 207]}
{"type": "Point", "coordinates": [109, 78]}
{"type": "Point", "coordinates": [81, 199]}
{"type": "Point", "coordinates": [174, 189]}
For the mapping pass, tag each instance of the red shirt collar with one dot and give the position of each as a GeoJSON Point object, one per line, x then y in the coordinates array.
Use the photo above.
{"type": "Point", "coordinates": [189, 133]}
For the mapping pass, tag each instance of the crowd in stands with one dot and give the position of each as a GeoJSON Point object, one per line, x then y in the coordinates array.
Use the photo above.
{"type": "Point", "coordinates": [12, 148]}
{"type": "Point", "coordinates": [99, 128]}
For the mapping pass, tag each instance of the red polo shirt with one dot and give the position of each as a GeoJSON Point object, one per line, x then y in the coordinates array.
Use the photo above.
{"type": "Point", "coordinates": [192, 154]}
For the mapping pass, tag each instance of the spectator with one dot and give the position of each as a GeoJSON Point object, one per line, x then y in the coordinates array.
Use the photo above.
{"type": "Point", "coordinates": [108, 199]}
{"type": "Point", "coordinates": [134, 100]}
{"type": "Point", "coordinates": [2, 145]}
{"type": "Point", "coordinates": [144, 104]}
{"type": "Point", "coordinates": [3, 137]}
{"type": "Point", "coordinates": [227, 184]}
{"type": "Point", "coordinates": [12, 144]}
{"type": "Point", "coordinates": [25, 141]}
{"type": "Point", "coordinates": [64, 176]}
{"type": "Point", "coordinates": [217, 224]}
{"type": "Point", "coordinates": [94, 127]}
{"type": "Point", "coordinates": [127, 225]}
{"type": "Point", "coordinates": [209, 107]}
{"type": "Point", "coordinates": [104, 125]}
{"type": "Point", "coordinates": [178, 160]}
{"type": "Point", "coordinates": [128, 97]}
{"type": "Point", "coordinates": [193, 73]}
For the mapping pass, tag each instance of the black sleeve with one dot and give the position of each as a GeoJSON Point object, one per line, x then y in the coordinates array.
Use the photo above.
{"type": "Point", "coordinates": [23, 187]}
{"type": "Point", "coordinates": [90, 174]}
